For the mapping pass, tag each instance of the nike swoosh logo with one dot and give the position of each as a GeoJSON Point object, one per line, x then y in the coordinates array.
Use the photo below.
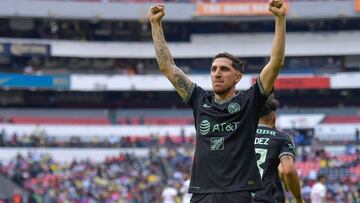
{"type": "Point", "coordinates": [206, 106]}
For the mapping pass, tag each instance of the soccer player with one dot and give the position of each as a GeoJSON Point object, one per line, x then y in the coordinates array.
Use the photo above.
{"type": "Point", "coordinates": [224, 167]}
{"type": "Point", "coordinates": [273, 147]}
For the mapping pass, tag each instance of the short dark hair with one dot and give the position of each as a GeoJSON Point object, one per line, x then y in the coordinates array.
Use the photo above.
{"type": "Point", "coordinates": [271, 105]}
{"type": "Point", "coordinates": [236, 62]}
{"type": "Point", "coordinates": [320, 176]}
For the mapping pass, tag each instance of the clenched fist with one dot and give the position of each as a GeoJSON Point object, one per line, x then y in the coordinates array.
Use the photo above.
{"type": "Point", "coordinates": [277, 7]}
{"type": "Point", "coordinates": [156, 13]}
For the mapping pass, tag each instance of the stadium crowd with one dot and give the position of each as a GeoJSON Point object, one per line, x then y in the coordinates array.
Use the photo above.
{"type": "Point", "coordinates": [41, 139]}
{"type": "Point", "coordinates": [163, 174]}
{"type": "Point", "coordinates": [130, 179]}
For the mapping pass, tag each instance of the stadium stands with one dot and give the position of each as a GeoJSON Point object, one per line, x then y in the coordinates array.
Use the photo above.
{"type": "Point", "coordinates": [120, 172]}
{"type": "Point", "coordinates": [86, 116]}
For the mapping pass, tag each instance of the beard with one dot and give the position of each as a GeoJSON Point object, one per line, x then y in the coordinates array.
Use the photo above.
{"type": "Point", "coordinates": [222, 91]}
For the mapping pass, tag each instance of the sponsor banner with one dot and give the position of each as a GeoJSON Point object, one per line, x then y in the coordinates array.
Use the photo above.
{"type": "Point", "coordinates": [303, 83]}
{"type": "Point", "coordinates": [345, 81]}
{"type": "Point", "coordinates": [233, 9]}
{"type": "Point", "coordinates": [17, 49]}
{"type": "Point", "coordinates": [83, 82]}
{"type": "Point", "coordinates": [34, 81]}
{"type": "Point", "coordinates": [299, 121]}
{"type": "Point", "coordinates": [357, 5]}
{"type": "Point", "coordinates": [311, 82]}
{"type": "Point", "coordinates": [333, 129]}
{"type": "Point", "coordinates": [339, 132]}
{"type": "Point", "coordinates": [29, 49]}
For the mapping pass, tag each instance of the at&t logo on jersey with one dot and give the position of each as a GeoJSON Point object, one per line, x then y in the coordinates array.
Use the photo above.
{"type": "Point", "coordinates": [206, 127]}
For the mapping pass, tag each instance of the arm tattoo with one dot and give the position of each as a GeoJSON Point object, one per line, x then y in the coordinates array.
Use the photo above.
{"type": "Point", "coordinates": [167, 65]}
{"type": "Point", "coordinates": [182, 84]}
{"type": "Point", "coordinates": [163, 55]}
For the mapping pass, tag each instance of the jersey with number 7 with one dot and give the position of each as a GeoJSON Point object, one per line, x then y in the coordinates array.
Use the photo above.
{"type": "Point", "coordinates": [270, 145]}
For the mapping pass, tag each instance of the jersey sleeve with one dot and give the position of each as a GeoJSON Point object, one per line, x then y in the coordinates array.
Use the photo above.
{"type": "Point", "coordinates": [287, 147]}
{"type": "Point", "coordinates": [261, 88]}
{"type": "Point", "coordinates": [257, 94]}
{"type": "Point", "coordinates": [195, 98]}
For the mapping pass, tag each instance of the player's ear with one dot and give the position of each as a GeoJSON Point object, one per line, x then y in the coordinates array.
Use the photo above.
{"type": "Point", "coordinates": [238, 76]}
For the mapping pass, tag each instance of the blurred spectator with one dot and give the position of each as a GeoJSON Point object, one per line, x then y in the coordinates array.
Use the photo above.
{"type": "Point", "coordinates": [318, 190]}
{"type": "Point", "coordinates": [306, 189]}
{"type": "Point", "coordinates": [349, 148]}
{"type": "Point", "coordinates": [356, 194]}
{"type": "Point", "coordinates": [16, 197]}
{"type": "Point", "coordinates": [184, 189]}
{"type": "Point", "coordinates": [299, 138]}
{"type": "Point", "coordinates": [29, 69]}
{"type": "Point", "coordinates": [14, 139]}
{"type": "Point", "coordinates": [3, 199]}
{"type": "Point", "coordinates": [35, 198]}
{"type": "Point", "coordinates": [2, 137]}
{"type": "Point", "coordinates": [169, 193]}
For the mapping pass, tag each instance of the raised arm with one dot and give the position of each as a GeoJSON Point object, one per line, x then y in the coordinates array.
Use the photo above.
{"type": "Point", "coordinates": [290, 176]}
{"type": "Point", "coordinates": [270, 72]}
{"type": "Point", "coordinates": [167, 66]}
